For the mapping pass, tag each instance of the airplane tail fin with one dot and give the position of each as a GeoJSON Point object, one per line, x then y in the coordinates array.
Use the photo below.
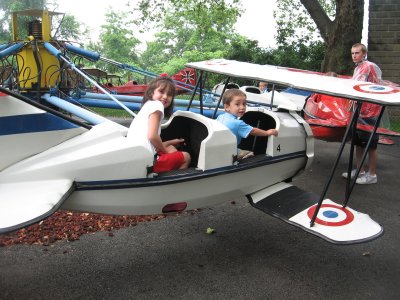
{"type": "Point", "coordinates": [185, 78]}
{"type": "Point", "coordinates": [24, 122]}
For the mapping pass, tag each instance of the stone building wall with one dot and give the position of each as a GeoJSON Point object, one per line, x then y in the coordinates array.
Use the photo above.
{"type": "Point", "coordinates": [384, 37]}
{"type": "Point", "coordinates": [384, 44]}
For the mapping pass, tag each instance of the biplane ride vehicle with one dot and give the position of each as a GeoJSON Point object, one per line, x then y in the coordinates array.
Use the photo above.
{"type": "Point", "coordinates": [57, 154]}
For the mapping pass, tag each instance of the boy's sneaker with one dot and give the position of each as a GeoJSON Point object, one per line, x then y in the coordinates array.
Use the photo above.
{"type": "Point", "coordinates": [367, 179]}
{"type": "Point", "coordinates": [353, 173]}
{"type": "Point", "coordinates": [244, 154]}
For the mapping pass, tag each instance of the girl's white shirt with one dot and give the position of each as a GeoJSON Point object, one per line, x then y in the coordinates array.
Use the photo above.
{"type": "Point", "coordinates": [140, 125]}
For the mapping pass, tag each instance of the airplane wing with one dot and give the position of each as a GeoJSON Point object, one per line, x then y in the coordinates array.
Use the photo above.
{"type": "Point", "coordinates": [334, 223]}
{"type": "Point", "coordinates": [328, 122]}
{"type": "Point", "coordinates": [25, 203]}
{"type": "Point", "coordinates": [380, 130]}
{"type": "Point", "coordinates": [304, 80]}
{"type": "Point", "coordinates": [332, 123]}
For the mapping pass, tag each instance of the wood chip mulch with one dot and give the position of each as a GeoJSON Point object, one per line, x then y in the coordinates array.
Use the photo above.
{"type": "Point", "coordinates": [66, 225]}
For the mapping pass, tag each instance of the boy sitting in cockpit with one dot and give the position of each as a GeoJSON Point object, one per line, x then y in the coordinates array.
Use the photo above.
{"type": "Point", "coordinates": [234, 101]}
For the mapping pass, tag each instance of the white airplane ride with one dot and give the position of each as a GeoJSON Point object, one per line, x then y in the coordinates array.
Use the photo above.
{"type": "Point", "coordinates": [81, 161]}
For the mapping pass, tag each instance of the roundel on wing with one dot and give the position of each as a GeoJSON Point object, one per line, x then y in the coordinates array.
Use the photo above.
{"type": "Point", "coordinates": [331, 215]}
{"type": "Point", "coordinates": [371, 88]}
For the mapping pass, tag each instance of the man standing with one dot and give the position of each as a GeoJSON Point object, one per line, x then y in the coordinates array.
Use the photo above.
{"type": "Point", "coordinates": [366, 71]}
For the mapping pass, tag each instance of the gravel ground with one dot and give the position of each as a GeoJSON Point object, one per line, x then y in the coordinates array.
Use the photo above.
{"type": "Point", "coordinates": [250, 255]}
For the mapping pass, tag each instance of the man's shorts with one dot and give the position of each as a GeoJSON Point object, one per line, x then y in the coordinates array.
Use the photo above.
{"type": "Point", "coordinates": [361, 138]}
{"type": "Point", "coordinates": [168, 161]}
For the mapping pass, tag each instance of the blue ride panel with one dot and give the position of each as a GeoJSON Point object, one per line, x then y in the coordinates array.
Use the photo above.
{"type": "Point", "coordinates": [33, 123]}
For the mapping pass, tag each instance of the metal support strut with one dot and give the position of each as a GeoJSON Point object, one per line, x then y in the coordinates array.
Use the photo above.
{"type": "Point", "coordinates": [350, 131]}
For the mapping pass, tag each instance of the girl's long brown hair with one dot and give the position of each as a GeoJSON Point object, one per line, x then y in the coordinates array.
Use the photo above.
{"type": "Point", "coordinates": [163, 82]}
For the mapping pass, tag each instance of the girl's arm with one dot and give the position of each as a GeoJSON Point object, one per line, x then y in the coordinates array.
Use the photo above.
{"type": "Point", "coordinates": [152, 134]}
{"type": "Point", "coordinates": [174, 142]}
{"type": "Point", "coordinates": [259, 132]}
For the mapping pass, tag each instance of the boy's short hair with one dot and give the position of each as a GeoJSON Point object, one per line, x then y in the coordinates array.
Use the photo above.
{"type": "Point", "coordinates": [363, 47]}
{"type": "Point", "coordinates": [230, 94]}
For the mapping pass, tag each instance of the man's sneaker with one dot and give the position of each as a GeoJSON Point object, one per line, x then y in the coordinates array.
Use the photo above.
{"type": "Point", "coordinates": [367, 179]}
{"type": "Point", "coordinates": [353, 173]}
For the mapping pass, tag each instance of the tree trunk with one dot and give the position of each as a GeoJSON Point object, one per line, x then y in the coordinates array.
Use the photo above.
{"type": "Point", "coordinates": [340, 34]}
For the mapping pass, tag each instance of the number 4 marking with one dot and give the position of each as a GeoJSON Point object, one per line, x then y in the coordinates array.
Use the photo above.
{"type": "Point", "coordinates": [278, 148]}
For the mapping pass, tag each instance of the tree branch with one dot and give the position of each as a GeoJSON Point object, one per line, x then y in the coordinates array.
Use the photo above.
{"type": "Point", "coordinates": [318, 14]}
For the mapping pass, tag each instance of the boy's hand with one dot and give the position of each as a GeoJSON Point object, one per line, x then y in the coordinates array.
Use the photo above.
{"type": "Point", "coordinates": [273, 132]}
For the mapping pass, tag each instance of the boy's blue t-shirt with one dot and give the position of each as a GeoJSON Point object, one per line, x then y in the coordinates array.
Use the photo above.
{"type": "Point", "coordinates": [238, 127]}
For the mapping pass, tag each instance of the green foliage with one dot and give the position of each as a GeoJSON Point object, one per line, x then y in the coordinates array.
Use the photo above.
{"type": "Point", "coordinates": [299, 42]}
{"type": "Point", "coordinates": [300, 56]}
{"type": "Point", "coordinates": [7, 7]}
{"type": "Point", "coordinates": [294, 23]}
{"type": "Point", "coordinates": [243, 49]}
{"type": "Point", "coordinates": [198, 29]}
{"type": "Point", "coordinates": [116, 42]}
{"type": "Point", "coordinates": [189, 30]}
{"type": "Point", "coordinates": [152, 13]}
{"type": "Point", "coordinates": [177, 63]}
{"type": "Point", "coordinates": [69, 28]}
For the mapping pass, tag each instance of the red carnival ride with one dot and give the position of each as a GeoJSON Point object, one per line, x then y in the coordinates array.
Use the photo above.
{"type": "Point", "coordinates": [185, 80]}
{"type": "Point", "coordinates": [328, 116]}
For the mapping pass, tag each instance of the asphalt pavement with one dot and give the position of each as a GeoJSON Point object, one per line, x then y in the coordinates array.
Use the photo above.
{"type": "Point", "coordinates": [251, 255]}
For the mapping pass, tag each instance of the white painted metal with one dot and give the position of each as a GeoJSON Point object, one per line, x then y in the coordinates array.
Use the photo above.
{"type": "Point", "coordinates": [340, 229]}
{"type": "Point", "coordinates": [218, 148]}
{"type": "Point", "coordinates": [196, 193]}
{"type": "Point", "coordinates": [105, 154]}
{"type": "Point", "coordinates": [303, 80]}
{"type": "Point", "coordinates": [23, 202]}
{"type": "Point", "coordinates": [17, 147]}
{"type": "Point", "coordinates": [361, 228]}
{"type": "Point", "coordinates": [279, 101]}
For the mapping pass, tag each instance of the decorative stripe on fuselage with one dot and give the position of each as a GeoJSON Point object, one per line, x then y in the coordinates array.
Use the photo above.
{"type": "Point", "coordinates": [185, 176]}
{"type": "Point", "coordinates": [33, 123]}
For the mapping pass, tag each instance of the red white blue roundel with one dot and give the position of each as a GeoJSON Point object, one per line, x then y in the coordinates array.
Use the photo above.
{"type": "Point", "coordinates": [375, 88]}
{"type": "Point", "coordinates": [331, 215]}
